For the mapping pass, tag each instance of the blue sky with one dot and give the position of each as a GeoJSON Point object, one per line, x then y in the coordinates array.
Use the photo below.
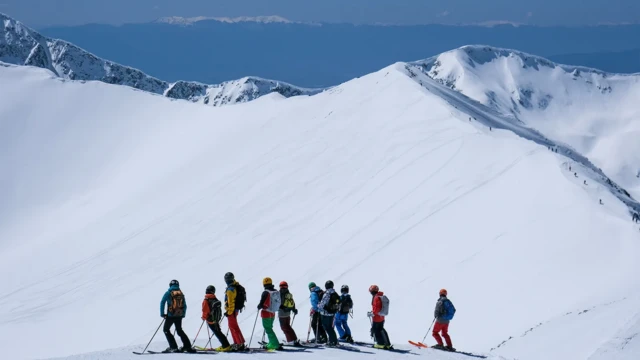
{"type": "Point", "coordinates": [537, 12]}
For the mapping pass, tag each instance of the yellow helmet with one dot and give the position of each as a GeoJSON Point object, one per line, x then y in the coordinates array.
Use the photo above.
{"type": "Point", "coordinates": [267, 281]}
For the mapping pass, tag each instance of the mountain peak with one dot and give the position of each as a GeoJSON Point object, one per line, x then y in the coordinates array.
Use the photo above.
{"type": "Point", "coordinates": [21, 45]}
{"type": "Point", "coordinates": [186, 21]}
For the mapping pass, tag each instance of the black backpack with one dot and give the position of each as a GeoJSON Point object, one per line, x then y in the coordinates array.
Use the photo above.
{"type": "Point", "coordinates": [215, 310]}
{"type": "Point", "coordinates": [334, 303]}
{"type": "Point", "coordinates": [241, 297]}
{"type": "Point", "coordinates": [346, 305]}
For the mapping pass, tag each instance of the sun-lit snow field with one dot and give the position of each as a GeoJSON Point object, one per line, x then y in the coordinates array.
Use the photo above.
{"type": "Point", "coordinates": [109, 193]}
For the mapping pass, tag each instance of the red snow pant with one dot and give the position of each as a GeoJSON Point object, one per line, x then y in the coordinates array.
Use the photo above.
{"type": "Point", "coordinates": [236, 334]}
{"type": "Point", "coordinates": [445, 333]}
{"type": "Point", "coordinates": [285, 325]}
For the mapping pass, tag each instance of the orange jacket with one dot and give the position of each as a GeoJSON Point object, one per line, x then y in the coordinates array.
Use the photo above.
{"type": "Point", "coordinates": [376, 305]}
{"type": "Point", "coordinates": [205, 307]}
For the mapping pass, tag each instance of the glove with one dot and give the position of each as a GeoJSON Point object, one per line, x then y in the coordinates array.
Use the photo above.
{"type": "Point", "coordinates": [370, 314]}
{"type": "Point", "coordinates": [225, 314]}
{"type": "Point", "coordinates": [295, 311]}
{"type": "Point", "coordinates": [163, 316]}
{"type": "Point", "coordinates": [311, 312]}
{"type": "Point", "coordinates": [203, 318]}
{"type": "Point", "coordinates": [260, 307]}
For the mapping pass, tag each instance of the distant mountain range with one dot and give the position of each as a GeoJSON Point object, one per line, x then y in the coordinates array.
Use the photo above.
{"type": "Point", "coordinates": [213, 50]}
{"type": "Point", "coordinates": [21, 45]}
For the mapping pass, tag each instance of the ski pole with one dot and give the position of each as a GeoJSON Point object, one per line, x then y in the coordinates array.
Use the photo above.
{"type": "Point", "coordinates": [317, 329]}
{"type": "Point", "coordinates": [294, 319]}
{"type": "Point", "coordinates": [309, 331]}
{"type": "Point", "coordinates": [210, 337]}
{"type": "Point", "coordinates": [425, 336]}
{"type": "Point", "coordinates": [154, 335]}
{"type": "Point", "coordinates": [196, 338]}
{"type": "Point", "coordinates": [263, 331]}
{"type": "Point", "coordinates": [254, 328]}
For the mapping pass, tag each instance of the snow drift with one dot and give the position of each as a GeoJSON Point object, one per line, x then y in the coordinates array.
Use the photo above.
{"type": "Point", "coordinates": [21, 45]}
{"type": "Point", "coordinates": [109, 193]}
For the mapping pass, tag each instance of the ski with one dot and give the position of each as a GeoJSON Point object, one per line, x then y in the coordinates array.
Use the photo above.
{"type": "Point", "coordinates": [462, 353]}
{"type": "Point", "coordinates": [371, 346]}
{"type": "Point", "coordinates": [163, 353]}
{"type": "Point", "coordinates": [290, 347]}
{"type": "Point", "coordinates": [418, 344]}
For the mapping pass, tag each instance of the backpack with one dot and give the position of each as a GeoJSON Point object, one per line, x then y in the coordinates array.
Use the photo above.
{"type": "Point", "coordinates": [333, 304]}
{"type": "Point", "coordinates": [241, 297]}
{"type": "Point", "coordinates": [215, 310]}
{"type": "Point", "coordinates": [385, 305]}
{"type": "Point", "coordinates": [346, 305]}
{"type": "Point", "coordinates": [287, 301]}
{"type": "Point", "coordinates": [176, 303]}
{"type": "Point", "coordinates": [449, 310]}
{"type": "Point", "coordinates": [276, 301]}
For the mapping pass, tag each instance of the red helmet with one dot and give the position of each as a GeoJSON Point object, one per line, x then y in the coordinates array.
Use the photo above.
{"type": "Point", "coordinates": [374, 289]}
{"type": "Point", "coordinates": [443, 292]}
{"type": "Point", "coordinates": [284, 284]}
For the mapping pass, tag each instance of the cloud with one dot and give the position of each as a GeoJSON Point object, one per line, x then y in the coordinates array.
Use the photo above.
{"type": "Point", "coordinates": [443, 14]}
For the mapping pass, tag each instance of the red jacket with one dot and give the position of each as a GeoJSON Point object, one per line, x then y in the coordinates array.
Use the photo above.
{"type": "Point", "coordinates": [205, 306]}
{"type": "Point", "coordinates": [265, 302]}
{"type": "Point", "coordinates": [376, 305]}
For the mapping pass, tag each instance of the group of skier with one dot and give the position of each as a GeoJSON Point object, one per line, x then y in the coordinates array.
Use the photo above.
{"type": "Point", "coordinates": [329, 311]}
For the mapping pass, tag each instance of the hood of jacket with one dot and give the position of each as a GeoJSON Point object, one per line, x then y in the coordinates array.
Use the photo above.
{"type": "Point", "coordinates": [316, 289]}
{"type": "Point", "coordinates": [210, 296]}
{"type": "Point", "coordinates": [174, 288]}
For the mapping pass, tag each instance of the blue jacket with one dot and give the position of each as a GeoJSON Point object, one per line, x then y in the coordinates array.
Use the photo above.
{"type": "Point", "coordinates": [315, 299]}
{"type": "Point", "coordinates": [166, 300]}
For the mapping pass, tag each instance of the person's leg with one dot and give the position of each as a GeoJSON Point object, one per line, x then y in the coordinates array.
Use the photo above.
{"type": "Point", "coordinates": [167, 333]}
{"type": "Point", "coordinates": [436, 332]}
{"type": "Point", "coordinates": [186, 343]}
{"type": "Point", "coordinates": [445, 335]}
{"type": "Point", "coordinates": [327, 323]}
{"type": "Point", "coordinates": [339, 327]}
{"type": "Point", "coordinates": [285, 325]}
{"type": "Point", "coordinates": [236, 334]}
{"type": "Point", "coordinates": [385, 336]}
{"type": "Point", "coordinates": [267, 323]}
{"type": "Point", "coordinates": [347, 330]}
{"type": "Point", "coordinates": [217, 331]}
{"type": "Point", "coordinates": [377, 333]}
{"type": "Point", "coordinates": [321, 335]}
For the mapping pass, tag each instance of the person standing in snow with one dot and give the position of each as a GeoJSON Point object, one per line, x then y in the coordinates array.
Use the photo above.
{"type": "Point", "coordinates": [234, 299]}
{"type": "Point", "coordinates": [328, 307]}
{"type": "Point", "coordinates": [342, 316]}
{"type": "Point", "coordinates": [443, 314]}
{"type": "Point", "coordinates": [318, 330]}
{"type": "Point", "coordinates": [377, 320]}
{"type": "Point", "coordinates": [212, 314]}
{"type": "Point", "coordinates": [284, 314]}
{"type": "Point", "coordinates": [268, 312]}
{"type": "Point", "coordinates": [176, 311]}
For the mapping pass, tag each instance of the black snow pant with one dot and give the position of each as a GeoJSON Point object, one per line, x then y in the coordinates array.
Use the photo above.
{"type": "Point", "coordinates": [177, 321]}
{"type": "Point", "coordinates": [380, 334]}
{"type": "Point", "coordinates": [219, 334]}
{"type": "Point", "coordinates": [327, 324]}
{"type": "Point", "coordinates": [318, 329]}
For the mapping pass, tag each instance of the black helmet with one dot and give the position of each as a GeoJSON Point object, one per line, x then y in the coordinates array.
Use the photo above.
{"type": "Point", "coordinates": [328, 284]}
{"type": "Point", "coordinates": [229, 278]}
{"type": "Point", "coordinates": [174, 282]}
{"type": "Point", "coordinates": [211, 289]}
{"type": "Point", "coordinates": [344, 289]}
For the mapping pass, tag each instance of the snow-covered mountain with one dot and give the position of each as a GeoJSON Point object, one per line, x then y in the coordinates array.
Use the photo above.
{"type": "Point", "coordinates": [108, 194]}
{"type": "Point", "coordinates": [186, 21]}
{"type": "Point", "coordinates": [23, 46]}
{"type": "Point", "coordinates": [593, 112]}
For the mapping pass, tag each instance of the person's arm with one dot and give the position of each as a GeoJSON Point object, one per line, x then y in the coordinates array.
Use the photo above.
{"type": "Point", "coordinates": [377, 306]}
{"type": "Point", "coordinates": [263, 300]}
{"type": "Point", "coordinates": [231, 300]}
{"type": "Point", "coordinates": [164, 300]}
{"type": "Point", "coordinates": [205, 309]}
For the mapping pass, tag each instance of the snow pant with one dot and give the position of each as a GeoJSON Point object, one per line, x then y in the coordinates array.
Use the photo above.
{"type": "Point", "coordinates": [267, 323]}
{"type": "Point", "coordinates": [318, 330]}
{"type": "Point", "coordinates": [177, 321]}
{"type": "Point", "coordinates": [327, 324]}
{"type": "Point", "coordinates": [444, 328]}
{"type": "Point", "coordinates": [236, 334]}
{"type": "Point", "coordinates": [342, 326]}
{"type": "Point", "coordinates": [285, 325]}
{"type": "Point", "coordinates": [380, 334]}
{"type": "Point", "coordinates": [215, 328]}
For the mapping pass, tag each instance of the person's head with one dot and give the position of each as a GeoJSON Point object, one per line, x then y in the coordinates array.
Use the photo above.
{"type": "Point", "coordinates": [267, 282]}
{"type": "Point", "coordinates": [374, 289]}
{"type": "Point", "coordinates": [174, 283]}
{"type": "Point", "coordinates": [328, 285]}
{"type": "Point", "coordinates": [312, 286]}
{"type": "Point", "coordinates": [443, 292]}
{"type": "Point", "coordinates": [210, 290]}
{"type": "Point", "coordinates": [344, 289]}
{"type": "Point", "coordinates": [284, 285]}
{"type": "Point", "coordinates": [229, 278]}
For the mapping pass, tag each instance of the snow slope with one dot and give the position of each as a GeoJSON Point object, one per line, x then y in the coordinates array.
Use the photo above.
{"type": "Point", "coordinates": [594, 112]}
{"type": "Point", "coordinates": [23, 46]}
{"type": "Point", "coordinates": [109, 193]}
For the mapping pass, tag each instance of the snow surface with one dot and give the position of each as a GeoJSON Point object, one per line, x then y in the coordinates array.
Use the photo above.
{"type": "Point", "coordinates": [594, 112]}
{"type": "Point", "coordinates": [109, 193]}
{"type": "Point", "coordinates": [21, 45]}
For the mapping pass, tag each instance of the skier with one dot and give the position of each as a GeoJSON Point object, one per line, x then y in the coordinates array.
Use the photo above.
{"type": "Point", "coordinates": [635, 217]}
{"type": "Point", "coordinates": [328, 307]}
{"type": "Point", "coordinates": [234, 299]}
{"type": "Point", "coordinates": [318, 330]}
{"type": "Point", "coordinates": [377, 315]}
{"type": "Point", "coordinates": [269, 304]}
{"type": "Point", "coordinates": [342, 316]}
{"type": "Point", "coordinates": [212, 314]}
{"type": "Point", "coordinates": [284, 314]}
{"type": "Point", "coordinates": [443, 314]}
{"type": "Point", "coordinates": [176, 311]}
